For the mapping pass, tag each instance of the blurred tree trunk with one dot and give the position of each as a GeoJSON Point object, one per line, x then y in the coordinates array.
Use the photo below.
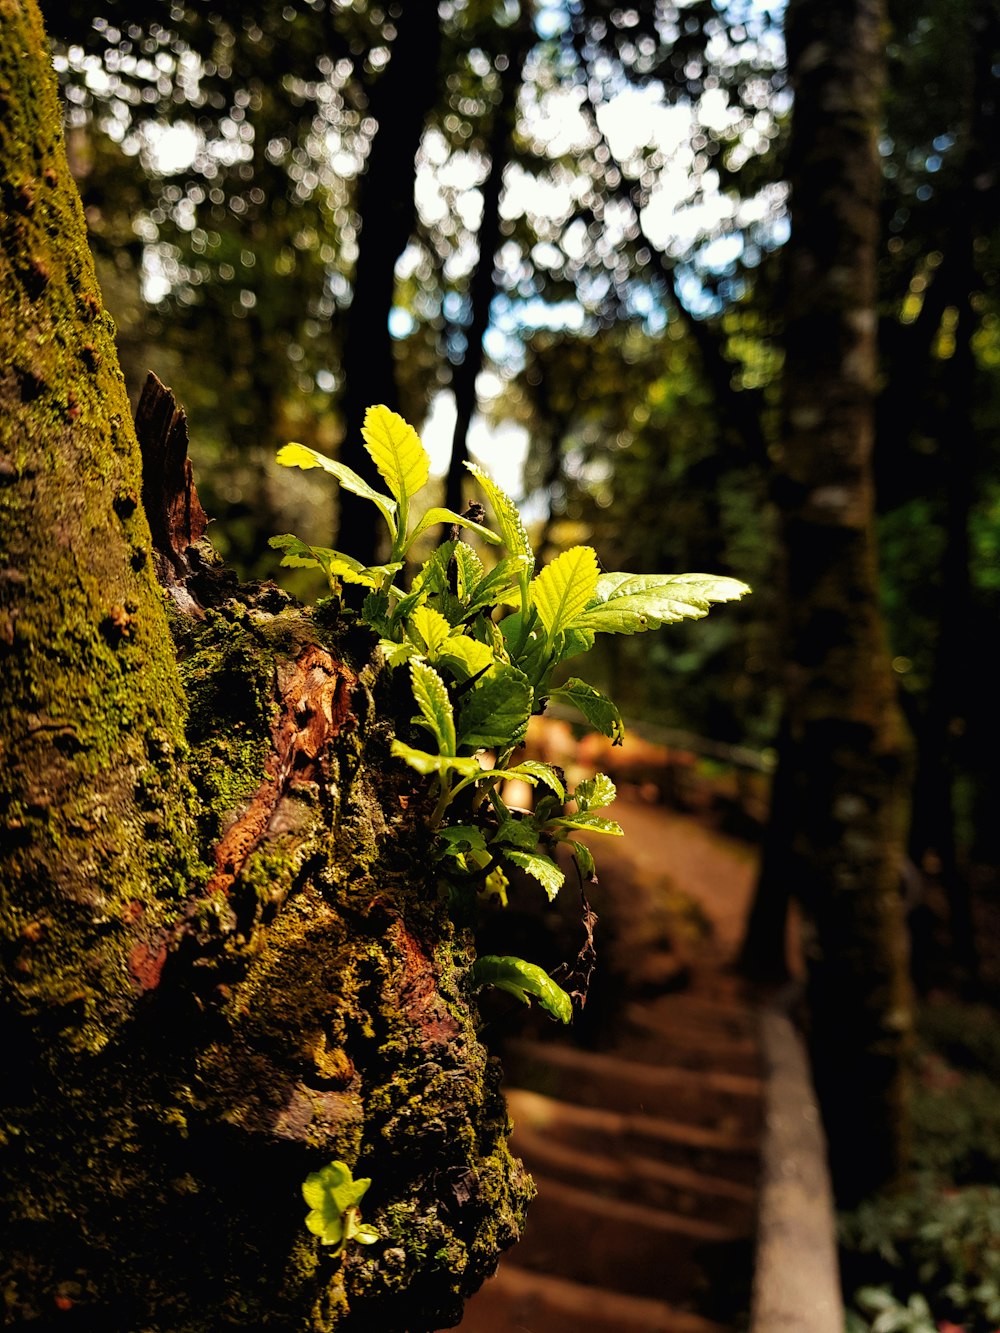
{"type": "Point", "coordinates": [225, 964]}
{"type": "Point", "coordinates": [840, 819]}
{"type": "Point", "coordinates": [482, 287]}
{"type": "Point", "coordinates": [400, 101]}
{"type": "Point", "coordinates": [957, 719]}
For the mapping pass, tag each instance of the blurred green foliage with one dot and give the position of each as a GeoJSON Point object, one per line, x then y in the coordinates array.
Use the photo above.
{"type": "Point", "coordinates": [938, 1241]}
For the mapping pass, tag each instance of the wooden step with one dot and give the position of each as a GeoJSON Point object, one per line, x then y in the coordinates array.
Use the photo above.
{"type": "Point", "coordinates": [583, 1237]}
{"type": "Point", "coordinates": [711, 1098]}
{"type": "Point", "coordinates": [646, 1044]}
{"type": "Point", "coordinates": [733, 1156]}
{"type": "Point", "coordinates": [622, 1174]}
{"type": "Point", "coordinates": [690, 1036]}
{"type": "Point", "coordinates": [696, 1011]}
{"type": "Point", "coordinates": [518, 1301]}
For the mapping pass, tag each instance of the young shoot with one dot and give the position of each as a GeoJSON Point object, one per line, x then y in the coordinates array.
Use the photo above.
{"type": "Point", "coordinates": [481, 646]}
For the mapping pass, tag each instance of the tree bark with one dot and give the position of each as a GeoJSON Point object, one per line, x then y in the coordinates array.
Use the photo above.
{"type": "Point", "coordinates": [482, 285]}
{"type": "Point", "coordinates": [225, 960]}
{"type": "Point", "coordinates": [386, 209]}
{"type": "Point", "coordinates": [843, 757]}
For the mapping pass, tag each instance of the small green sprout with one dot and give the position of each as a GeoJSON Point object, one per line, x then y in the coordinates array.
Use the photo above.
{"type": "Point", "coordinates": [482, 646]}
{"type": "Point", "coordinates": [333, 1196]}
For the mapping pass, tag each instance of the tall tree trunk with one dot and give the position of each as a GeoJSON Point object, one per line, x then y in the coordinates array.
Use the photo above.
{"type": "Point", "coordinates": [482, 287]}
{"type": "Point", "coordinates": [400, 101]}
{"type": "Point", "coordinates": [942, 730]}
{"type": "Point", "coordinates": [843, 757]}
{"type": "Point", "coordinates": [225, 961]}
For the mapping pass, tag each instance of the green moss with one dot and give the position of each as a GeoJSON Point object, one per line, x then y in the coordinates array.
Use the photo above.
{"type": "Point", "coordinates": [87, 676]}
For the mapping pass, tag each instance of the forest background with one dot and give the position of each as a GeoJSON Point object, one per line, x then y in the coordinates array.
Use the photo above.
{"type": "Point", "coordinates": [557, 236]}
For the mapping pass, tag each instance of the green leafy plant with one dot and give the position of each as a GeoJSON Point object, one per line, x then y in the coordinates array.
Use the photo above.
{"type": "Point", "coordinates": [481, 646]}
{"type": "Point", "coordinates": [333, 1196]}
{"type": "Point", "coordinates": [884, 1313]}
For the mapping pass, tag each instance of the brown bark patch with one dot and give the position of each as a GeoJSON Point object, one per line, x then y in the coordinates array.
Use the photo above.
{"type": "Point", "coordinates": [419, 996]}
{"type": "Point", "coordinates": [315, 701]}
{"type": "Point", "coordinates": [146, 963]}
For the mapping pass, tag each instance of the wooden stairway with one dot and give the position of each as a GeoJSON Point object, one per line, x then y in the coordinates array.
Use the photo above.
{"type": "Point", "coordinates": [645, 1158]}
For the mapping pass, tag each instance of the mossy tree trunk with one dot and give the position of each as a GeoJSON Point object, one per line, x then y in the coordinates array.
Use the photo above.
{"type": "Point", "coordinates": [838, 836]}
{"type": "Point", "coordinates": [225, 961]}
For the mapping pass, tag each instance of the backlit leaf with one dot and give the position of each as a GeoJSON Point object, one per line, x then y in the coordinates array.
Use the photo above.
{"type": "Point", "coordinates": [435, 706]}
{"type": "Point", "coordinates": [436, 516]}
{"type": "Point", "coordinates": [469, 568]}
{"type": "Point", "coordinates": [631, 603]}
{"type": "Point", "coordinates": [334, 564]}
{"type": "Point", "coordinates": [396, 653]}
{"type": "Point", "coordinates": [333, 1197]}
{"type": "Point", "coordinates": [542, 868]}
{"type": "Point", "coordinates": [435, 763]}
{"type": "Point", "coordinates": [595, 793]}
{"type": "Point", "coordinates": [428, 628]}
{"type": "Point", "coordinates": [465, 657]}
{"type": "Point", "coordinates": [532, 770]}
{"type": "Point", "coordinates": [564, 588]}
{"type": "Point", "coordinates": [588, 823]}
{"type": "Point", "coordinates": [299, 455]}
{"type": "Point", "coordinates": [506, 514]}
{"type": "Point", "coordinates": [395, 449]}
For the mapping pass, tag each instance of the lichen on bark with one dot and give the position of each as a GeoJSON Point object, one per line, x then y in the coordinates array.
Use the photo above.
{"type": "Point", "coordinates": [227, 959]}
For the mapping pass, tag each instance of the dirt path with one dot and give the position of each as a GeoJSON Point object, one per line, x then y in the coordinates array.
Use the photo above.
{"type": "Point", "coordinates": [715, 870]}
{"type": "Point", "coordinates": [644, 1143]}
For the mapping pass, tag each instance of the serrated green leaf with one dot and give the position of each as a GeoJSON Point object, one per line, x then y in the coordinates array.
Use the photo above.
{"type": "Point", "coordinates": [395, 449]}
{"type": "Point", "coordinates": [517, 833]}
{"type": "Point", "coordinates": [496, 711]}
{"type": "Point", "coordinates": [532, 770]}
{"type": "Point", "coordinates": [375, 613]}
{"type": "Point", "coordinates": [396, 653]}
{"type": "Point", "coordinates": [433, 573]}
{"type": "Point", "coordinates": [521, 980]}
{"type": "Point", "coordinates": [463, 836]}
{"type": "Point", "coordinates": [436, 516]}
{"type": "Point", "coordinates": [600, 711]}
{"type": "Point", "coordinates": [435, 763]}
{"type": "Point", "coordinates": [594, 793]}
{"type": "Point", "coordinates": [540, 867]}
{"type": "Point", "coordinates": [299, 455]}
{"type": "Point", "coordinates": [494, 587]}
{"type": "Point", "coordinates": [334, 564]}
{"type": "Point", "coordinates": [631, 603]}
{"type": "Point", "coordinates": [469, 568]}
{"type": "Point", "coordinates": [505, 512]}
{"type": "Point", "coordinates": [428, 629]}
{"type": "Point", "coordinates": [563, 588]}
{"type": "Point", "coordinates": [436, 713]}
{"type": "Point", "coordinates": [588, 823]}
{"type": "Point", "coordinates": [465, 657]}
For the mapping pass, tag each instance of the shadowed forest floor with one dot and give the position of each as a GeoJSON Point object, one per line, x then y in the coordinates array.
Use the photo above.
{"type": "Point", "coordinates": [641, 1124]}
